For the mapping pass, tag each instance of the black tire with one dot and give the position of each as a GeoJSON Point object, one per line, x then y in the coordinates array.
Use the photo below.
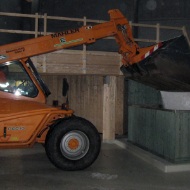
{"type": "Point", "coordinates": [73, 144]}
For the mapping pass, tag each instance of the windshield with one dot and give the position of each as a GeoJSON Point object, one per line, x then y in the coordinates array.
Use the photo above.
{"type": "Point", "coordinates": [15, 80]}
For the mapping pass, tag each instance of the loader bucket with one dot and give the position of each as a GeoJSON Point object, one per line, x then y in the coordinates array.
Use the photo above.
{"type": "Point", "coordinates": [166, 69]}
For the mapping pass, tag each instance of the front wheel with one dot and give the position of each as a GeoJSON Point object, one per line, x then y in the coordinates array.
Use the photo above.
{"type": "Point", "coordinates": [73, 144]}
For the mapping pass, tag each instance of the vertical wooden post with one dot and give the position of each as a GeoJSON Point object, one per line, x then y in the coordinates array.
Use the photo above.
{"type": "Point", "coordinates": [109, 97]}
{"type": "Point", "coordinates": [36, 25]}
{"type": "Point", "coordinates": [45, 24]}
{"type": "Point", "coordinates": [45, 33]}
{"type": "Point", "coordinates": [157, 32]}
{"type": "Point", "coordinates": [44, 63]}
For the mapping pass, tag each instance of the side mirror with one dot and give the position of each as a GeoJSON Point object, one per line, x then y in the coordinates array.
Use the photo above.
{"type": "Point", "coordinates": [65, 87]}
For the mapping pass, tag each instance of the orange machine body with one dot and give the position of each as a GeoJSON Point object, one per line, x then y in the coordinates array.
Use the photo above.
{"type": "Point", "coordinates": [25, 120]}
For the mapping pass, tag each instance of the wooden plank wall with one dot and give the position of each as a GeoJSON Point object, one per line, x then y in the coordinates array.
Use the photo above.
{"type": "Point", "coordinates": [86, 97]}
{"type": "Point", "coordinates": [79, 62]}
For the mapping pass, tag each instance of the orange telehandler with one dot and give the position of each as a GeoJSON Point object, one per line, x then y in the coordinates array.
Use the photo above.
{"type": "Point", "coordinates": [71, 143]}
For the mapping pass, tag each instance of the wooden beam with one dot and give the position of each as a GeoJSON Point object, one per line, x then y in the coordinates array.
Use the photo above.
{"type": "Point", "coordinates": [109, 97]}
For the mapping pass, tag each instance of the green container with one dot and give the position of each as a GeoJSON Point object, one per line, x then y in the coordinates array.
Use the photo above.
{"type": "Point", "coordinates": [143, 95]}
{"type": "Point", "coordinates": [163, 132]}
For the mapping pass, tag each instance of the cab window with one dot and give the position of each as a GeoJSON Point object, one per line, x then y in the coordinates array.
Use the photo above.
{"type": "Point", "coordinates": [15, 80]}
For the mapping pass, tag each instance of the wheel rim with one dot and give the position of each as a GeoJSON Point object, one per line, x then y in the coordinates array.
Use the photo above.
{"type": "Point", "coordinates": [74, 145]}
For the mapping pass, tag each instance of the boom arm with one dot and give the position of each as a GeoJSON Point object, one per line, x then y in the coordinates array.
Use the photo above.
{"type": "Point", "coordinates": [118, 26]}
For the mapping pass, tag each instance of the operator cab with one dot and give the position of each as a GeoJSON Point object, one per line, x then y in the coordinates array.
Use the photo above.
{"type": "Point", "coordinates": [15, 79]}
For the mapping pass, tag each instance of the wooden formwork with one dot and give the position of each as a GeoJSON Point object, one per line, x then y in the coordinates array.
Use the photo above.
{"type": "Point", "coordinates": [97, 98]}
{"type": "Point", "coordinates": [96, 85]}
{"type": "Point", "coordinates": [77, 62]}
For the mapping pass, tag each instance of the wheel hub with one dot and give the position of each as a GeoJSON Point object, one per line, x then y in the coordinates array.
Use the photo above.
{"type": "Point", "coordinates": [74, 145]}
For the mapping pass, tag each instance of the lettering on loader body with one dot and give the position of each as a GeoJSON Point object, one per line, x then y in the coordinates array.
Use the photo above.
{"type": "Point", "coordinates": [59, 34]}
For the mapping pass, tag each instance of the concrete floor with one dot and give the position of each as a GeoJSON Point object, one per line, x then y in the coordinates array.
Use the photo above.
{"type": "Point", "coordinates": [115, 169]}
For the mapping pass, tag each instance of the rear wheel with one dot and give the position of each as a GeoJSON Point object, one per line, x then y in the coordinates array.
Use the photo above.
{"type": "Point", "coordinates": [73, 144]}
